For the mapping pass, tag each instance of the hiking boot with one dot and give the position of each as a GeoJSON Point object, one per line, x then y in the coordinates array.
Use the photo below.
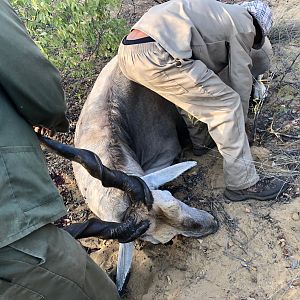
{"type": "Point", "coordinates": [201, 150]}
{"type": "Point", "coordinates": [265, 189]}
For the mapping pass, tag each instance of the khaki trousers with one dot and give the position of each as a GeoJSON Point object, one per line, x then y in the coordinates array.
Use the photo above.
{"type": "Point", "coordinates": [50, 264]}
{"type": "Point", "coordinates": [191, 86]}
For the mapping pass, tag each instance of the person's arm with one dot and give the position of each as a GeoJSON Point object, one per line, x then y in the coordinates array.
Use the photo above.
{"type": "Point", "coordinates": [32, 83]}
{"type": "Point", "coordinates": [125, 232]}
{"type": "Point", "coordinates": [240, 64]}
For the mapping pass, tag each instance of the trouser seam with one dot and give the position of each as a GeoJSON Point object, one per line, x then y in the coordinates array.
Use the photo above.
{"type": "Point", "coordinates": [243, 153]}
{"type": "Point", "coordinates": [195, 82]}
{"type": "Point", "coordinates": [179, 85]}
{"type": "Point", "coordinates": [43, 268]}
{"type": "Point", "coordinates": [67, 279]}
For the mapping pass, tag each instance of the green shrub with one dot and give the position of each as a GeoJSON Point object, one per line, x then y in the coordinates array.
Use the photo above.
{"type": "Point", "coordinates": [73, 34]}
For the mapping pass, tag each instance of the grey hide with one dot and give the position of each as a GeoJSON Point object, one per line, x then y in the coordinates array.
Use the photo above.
{"type": "Point", "coordinates": [136, 131]}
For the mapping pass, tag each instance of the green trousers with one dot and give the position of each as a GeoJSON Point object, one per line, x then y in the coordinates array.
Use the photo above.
{"type": "Point", "coordinates": [50, 264]}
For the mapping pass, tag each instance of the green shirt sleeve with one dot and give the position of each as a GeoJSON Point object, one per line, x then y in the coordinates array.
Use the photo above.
{"type": "Point", "coordinates": [31, 82]}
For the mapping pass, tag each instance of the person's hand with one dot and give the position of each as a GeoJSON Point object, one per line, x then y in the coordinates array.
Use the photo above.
{"type": "Point", "coordinates": [43, 131]}
{"type": "Point", "coordinates": [130, 230]}
{"type": "Point", "coordinates": [125, 232]}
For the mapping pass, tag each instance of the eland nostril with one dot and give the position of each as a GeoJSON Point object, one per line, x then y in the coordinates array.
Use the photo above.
{"type": "Point", "coordinates": [205, 223]}
{"type": "Point", "coordinates": [215, 225]}
{"type": "Point", "coordinates": [212, 223]}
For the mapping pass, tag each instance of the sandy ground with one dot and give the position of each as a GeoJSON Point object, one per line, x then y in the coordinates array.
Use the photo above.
{"type": "Point", "coordinates": [255, 254]}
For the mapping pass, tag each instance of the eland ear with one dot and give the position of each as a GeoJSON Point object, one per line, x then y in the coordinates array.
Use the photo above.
{"type": "Point", "coordinates": [158, 178]}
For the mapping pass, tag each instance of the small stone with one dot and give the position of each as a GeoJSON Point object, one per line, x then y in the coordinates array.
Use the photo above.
{"type": "Point", "coordinates": [260, 153]}
{"type": "Point", "coordinates": [248, 210]}
{"type": "Point", "coordinates": [254, 269]}
{"type": "Point", "coordinates": [244, 264]}
{"type": "Point", "coordinates": [281, 243]}
{"type": "Point", "coordinates": [296, 282]}
{"type": "Point", "coordinates": [169, 280]}
{"type": "Point", "coordinates": [295, 263]}
{"type": "Point", "coordinates": [296, 216]}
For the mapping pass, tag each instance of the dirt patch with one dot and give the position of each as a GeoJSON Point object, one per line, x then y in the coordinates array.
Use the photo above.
{"type": "Point", "coordinates": [255, 254]}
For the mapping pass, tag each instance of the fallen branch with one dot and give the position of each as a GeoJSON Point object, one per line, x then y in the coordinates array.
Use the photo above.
{"type": "Point", "coordinates": [279, 134]}
{"type": "Point", "coordinates": [289, 68]}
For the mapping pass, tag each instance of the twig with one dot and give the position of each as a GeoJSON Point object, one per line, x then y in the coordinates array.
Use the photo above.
{"type": "Point", "coordinates": [293, 152]}
{"type": "Point", "coordinates": [285, 287]}
{"type": "Point", "coordinates": [260, 106]}
{"type": "Point", "coordinates": [279, 134]}
{"type": "Point", "coordinates": [289, 68]}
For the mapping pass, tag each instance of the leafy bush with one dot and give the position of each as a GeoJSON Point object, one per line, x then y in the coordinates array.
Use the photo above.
{"type": "Point", "coordinates": [73, 33]}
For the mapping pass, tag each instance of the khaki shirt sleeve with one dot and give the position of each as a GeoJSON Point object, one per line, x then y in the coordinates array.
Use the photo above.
{"type": "Point", "coordinates": [32, 83]}
{"type": "Point", "coordinates": [240, 64]}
